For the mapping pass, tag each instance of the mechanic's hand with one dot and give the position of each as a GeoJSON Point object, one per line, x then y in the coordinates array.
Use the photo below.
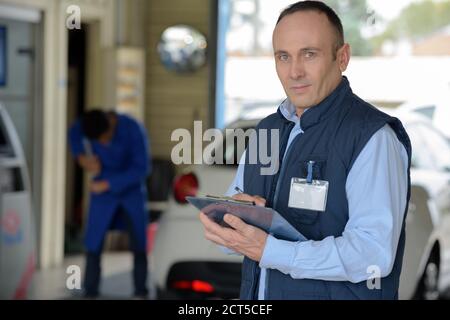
{"type": "Point", "coordinates": [90, 163]}
{"type": "Point", "coordinates": [99, 187]}
{"type": "Point", "coordinates": [243, 238]}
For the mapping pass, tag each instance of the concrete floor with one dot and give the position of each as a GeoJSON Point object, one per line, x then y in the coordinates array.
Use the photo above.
{"type": "Point", "coordinates": [116, 281]}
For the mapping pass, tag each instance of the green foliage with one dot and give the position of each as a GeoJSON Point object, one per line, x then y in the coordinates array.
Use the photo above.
{"type": "Point", "coordinates": [416, 20]}
{"type": "Point", "coordinates": [354, 15]}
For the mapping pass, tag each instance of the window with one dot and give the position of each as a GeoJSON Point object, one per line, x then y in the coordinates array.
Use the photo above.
{"type": "Point", "coordinates": [427, 111]}
{"type": "Point", "coordinates": [5, 146]}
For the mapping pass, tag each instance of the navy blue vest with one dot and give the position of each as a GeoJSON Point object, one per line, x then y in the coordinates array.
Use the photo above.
{"type": "Point", "coordinates": [335, 132]}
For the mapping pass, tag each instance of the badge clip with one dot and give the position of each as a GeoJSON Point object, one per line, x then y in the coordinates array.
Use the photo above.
{"type": "Point", "coordinates": [309, 178]}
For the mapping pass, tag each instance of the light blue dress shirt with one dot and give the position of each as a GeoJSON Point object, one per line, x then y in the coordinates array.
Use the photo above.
{"type": "Point", "coordinates": [376, 191]}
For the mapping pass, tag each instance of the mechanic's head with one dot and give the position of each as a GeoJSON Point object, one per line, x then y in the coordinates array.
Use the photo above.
{"type": "Point", "coordinates": [310, 52]}
{"type": "Point", "coordinates": [97, 125]}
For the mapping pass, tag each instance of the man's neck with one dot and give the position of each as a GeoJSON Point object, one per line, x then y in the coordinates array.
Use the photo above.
{"type": "Point", "coordinates": [300, 111]}
{"type": "Point", "coordinates": [112, 117]}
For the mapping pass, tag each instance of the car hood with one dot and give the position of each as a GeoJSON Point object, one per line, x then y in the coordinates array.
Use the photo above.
{"type": "Point", "coordinates": [434, 182]}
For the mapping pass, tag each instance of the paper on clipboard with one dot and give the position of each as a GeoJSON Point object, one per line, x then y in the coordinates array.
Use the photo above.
{"type": "Point", "coordinates": [264, 218]}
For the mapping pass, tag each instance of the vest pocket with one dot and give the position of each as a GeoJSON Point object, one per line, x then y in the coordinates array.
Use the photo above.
{"type": "Point", "coordinates": [319, 168]}
{"type": "Point", "coordinates": [303, 216]}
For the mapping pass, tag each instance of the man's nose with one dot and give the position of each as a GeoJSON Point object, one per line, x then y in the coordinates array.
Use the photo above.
{"type": "Point", "coordinates": [297, 69]}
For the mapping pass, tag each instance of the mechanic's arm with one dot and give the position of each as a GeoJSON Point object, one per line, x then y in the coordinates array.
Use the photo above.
{"type": "Point", "coordinates": [88, 163]}
{"type": "Point", "coordinates": [138, 166]}
{"type": "Point", "coordinates": [376, 191]}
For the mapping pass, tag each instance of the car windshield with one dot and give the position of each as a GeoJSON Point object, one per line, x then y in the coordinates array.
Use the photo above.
{"type": "Point", "coordinates": [427, 111]}
{"type": "Point", "coordinates": [233, 146]}
{"type": "Point", "coordinates": [438, 147]}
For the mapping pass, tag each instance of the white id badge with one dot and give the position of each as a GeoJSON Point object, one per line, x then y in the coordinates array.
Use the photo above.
{"type": "Point", "coordinates": [309, 196]}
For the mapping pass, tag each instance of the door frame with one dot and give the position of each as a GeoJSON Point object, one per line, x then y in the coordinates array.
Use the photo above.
{"type": "Point", "coordinates": [54, 112]}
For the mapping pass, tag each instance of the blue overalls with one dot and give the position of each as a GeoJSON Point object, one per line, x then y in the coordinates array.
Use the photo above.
{"type": "Point", "coordinates": [125, 165]}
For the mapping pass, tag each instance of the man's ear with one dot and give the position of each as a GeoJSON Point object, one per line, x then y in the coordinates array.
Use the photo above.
{"type": "Point", "coordinates": [343, 56]}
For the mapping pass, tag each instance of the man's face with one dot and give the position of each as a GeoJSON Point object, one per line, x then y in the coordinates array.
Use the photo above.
{"type": "Point", "coordinates": [305, 48]}
{"type": "Point", "coordinates": [106, 137]}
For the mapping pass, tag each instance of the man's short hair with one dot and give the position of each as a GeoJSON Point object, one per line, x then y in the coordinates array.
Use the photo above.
{"type": "Point", "coordinates": [94, 123]}
{"type": "Point", "coordinates": [320, 7]}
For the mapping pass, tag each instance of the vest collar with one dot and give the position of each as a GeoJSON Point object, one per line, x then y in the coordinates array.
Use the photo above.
{"type": "Point", "coordinates": [318, 112]}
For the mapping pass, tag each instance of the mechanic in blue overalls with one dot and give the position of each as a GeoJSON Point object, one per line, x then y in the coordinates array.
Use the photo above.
{"type": "Point", "coordinates": [114, 149]}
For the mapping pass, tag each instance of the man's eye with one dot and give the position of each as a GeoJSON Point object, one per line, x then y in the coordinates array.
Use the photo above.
{"type": "Point", "coordinates": [310, 54]}
{"type": "Point", "coordinates": [283, 57]}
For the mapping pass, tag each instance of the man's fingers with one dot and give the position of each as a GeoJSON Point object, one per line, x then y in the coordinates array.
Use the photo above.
{"type": "Point", "coordinates": [207, 222]}
{"type": "Point", "coordinates": [211, 226]}
{"type": "Point", "coordinates": [94, 188]}
{"type": "Point", "coordinates": [259, 201]}
{"type": "Point", "coordinates": [236, 223]}
{"type": "Point", "coordinates": [213, 231]}
{"type": "Point", "coordinates": [223, 234]}
{"type": "Point", "coordinates": [243, 197]}
{"type": "Point", "coordinates": [215, 238]}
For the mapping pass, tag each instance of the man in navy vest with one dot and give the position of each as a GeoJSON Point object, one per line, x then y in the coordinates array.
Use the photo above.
{"type": "Point", "coordinates": [343, 178]}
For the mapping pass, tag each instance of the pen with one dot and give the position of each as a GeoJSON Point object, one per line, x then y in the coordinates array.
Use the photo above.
{"type": "Point", "coordinates": [240, 191]}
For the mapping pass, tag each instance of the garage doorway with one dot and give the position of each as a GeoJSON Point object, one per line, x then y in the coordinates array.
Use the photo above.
{"type": "Point", "coordinates": [76, 104]}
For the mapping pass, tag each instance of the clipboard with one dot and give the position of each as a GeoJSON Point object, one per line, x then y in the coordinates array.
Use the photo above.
{"type": "Point", "coordinates": [264, 218]}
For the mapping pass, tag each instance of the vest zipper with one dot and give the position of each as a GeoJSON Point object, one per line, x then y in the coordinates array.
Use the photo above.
{"type": "Point", "coordinates": [284, 141]}
{"type": "Point", "coordinates": [283, 169]}
{"type": "Point", "coordinates": [275, 198]}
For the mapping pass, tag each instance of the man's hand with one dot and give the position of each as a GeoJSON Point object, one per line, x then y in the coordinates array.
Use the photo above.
{"type": "Point", "coordinates": [243, 238]}
{"type": "Point", "coordinates": [256, 199]}
{"type": "Point", "coordinates": [99, 186]}
{"type": "Point", "coordinates": [90, 163]}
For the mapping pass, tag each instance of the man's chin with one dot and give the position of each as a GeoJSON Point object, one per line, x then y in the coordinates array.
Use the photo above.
{"type": "Point", "coordinates": [301, 104]}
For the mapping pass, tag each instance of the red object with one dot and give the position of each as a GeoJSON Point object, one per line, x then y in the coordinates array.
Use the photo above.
{"type": "Point", "coordinates": [202, 286]}
{"type": "Point", "coordinates": [25, 280]}
{"type": "Point", "coordinates": [183, 285]}
{"type": "Point", "coordinates": [10, 222]}
{"type": "Point", "coordinates": [151, 232]}
{"type": "Point", "coordinates": [185, 185]}
{"type": "Point", "coordinates": [194, 285]}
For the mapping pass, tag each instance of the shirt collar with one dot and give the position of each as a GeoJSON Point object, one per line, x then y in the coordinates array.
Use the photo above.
{"type": "Point", "coordinates": [317, 112]}
{"type": "Point", "coordinates": [289, 111]}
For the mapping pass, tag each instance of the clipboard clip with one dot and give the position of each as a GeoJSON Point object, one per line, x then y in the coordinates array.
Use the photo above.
{"type": "Point", "coordinates": [229, 199]}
